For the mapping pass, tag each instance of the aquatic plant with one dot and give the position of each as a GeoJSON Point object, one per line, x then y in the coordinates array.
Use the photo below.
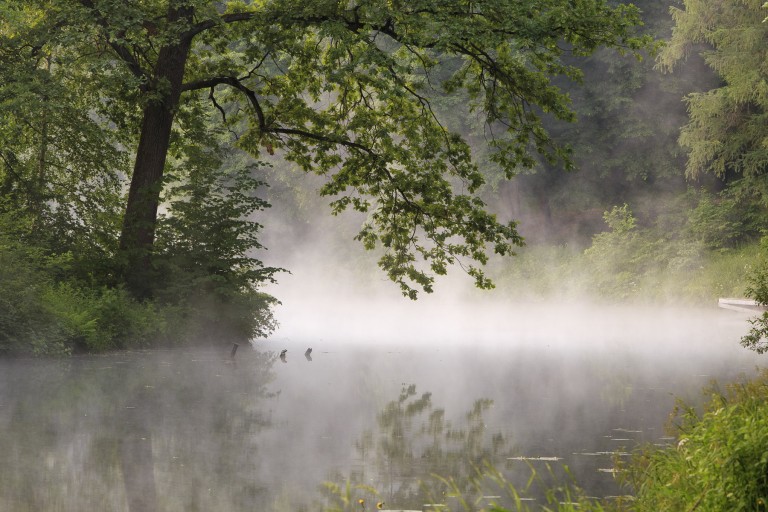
{"type": "Point", "coordinates": [491, 491]}
{"type": "Point", "coordinates": [487, 490]}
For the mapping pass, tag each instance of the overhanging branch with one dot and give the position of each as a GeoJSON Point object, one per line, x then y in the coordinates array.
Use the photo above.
{"type": "Point", "coordinates": [232, 81]}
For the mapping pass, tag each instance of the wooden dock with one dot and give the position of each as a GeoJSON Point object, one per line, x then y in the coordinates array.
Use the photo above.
{"type": "Point", "coordinates": [741, 305]}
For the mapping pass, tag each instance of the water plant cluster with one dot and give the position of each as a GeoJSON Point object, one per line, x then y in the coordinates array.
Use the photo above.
{"type": "Point", "coordinates": [720, 460]}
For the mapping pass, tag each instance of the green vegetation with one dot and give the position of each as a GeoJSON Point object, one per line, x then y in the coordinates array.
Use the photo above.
{"type": "Point", "coordinates": [60, 295]}
{"type": "Point", "coordinates": [342, 90]}
{"type": "Point", "coordinates": [471, 494]}
{"type": "Point", "coordinates": [696, 251]}
{"type": "Point", "coordinates": [726, 130]}
{"type": "Point", "coordinates": [720, 461]}
{"type": "Point", "coordinates": [757, 338]}
{"type": "Point", "coordinates": [425, 119]}
{"type": "Point", "coordinates": [130, 135]}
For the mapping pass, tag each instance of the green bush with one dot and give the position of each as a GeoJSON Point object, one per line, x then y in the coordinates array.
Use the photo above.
{"type": "Point", "coordinates": [205, 318]}
{"type": "Point", "coordinates": [25, 324]}
{"type": "Point", "coordinates": [718, 222]}
{"type": "Point", "coordinates": [42, 317]}
{"type": "Point", "coordinates": [720, 461]}
{"type": "Point", "coordinates": [127, 322]}
{"type": "Point", "coordinates": [625, 256]}
{"type": "Point", "coordinates": [757, 337]}
{"type": "Point", "coordinates": [72, 311]}
{"type": "Point", "coordinates": [208, 280]}
{"type": "Point", "coordinates": [97, 320]}
{"type": "Point", "coordinates": [58, 284]}
{"type": "Point", "coordinates": [656, 263]}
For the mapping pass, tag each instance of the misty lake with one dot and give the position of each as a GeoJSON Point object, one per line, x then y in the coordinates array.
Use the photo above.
{"type": "Point", "coordinates": [384, 405]}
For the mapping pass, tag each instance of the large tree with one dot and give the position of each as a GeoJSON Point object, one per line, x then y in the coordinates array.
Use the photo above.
{"type": "Point", "coordinates": [343, 88]}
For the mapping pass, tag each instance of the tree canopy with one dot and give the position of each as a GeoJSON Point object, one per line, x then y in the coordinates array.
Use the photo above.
{"type": "Point", "coordinates": [344, 89]}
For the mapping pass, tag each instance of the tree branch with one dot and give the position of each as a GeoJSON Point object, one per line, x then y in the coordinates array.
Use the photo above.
{"type": "Point", "coordinates": [324, 138]}
{"type": "Point", "coordinates": [212, 97]}
{"type": "Point", "coordinates": [237, 84]}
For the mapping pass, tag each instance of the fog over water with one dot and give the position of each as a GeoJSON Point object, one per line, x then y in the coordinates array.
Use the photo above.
{"type": "Point", "coordinates": [392, 393]}
{"type": "Point", "coordinates": [572, 382]}
{"type": "Point", "coordinates": [324, 299]}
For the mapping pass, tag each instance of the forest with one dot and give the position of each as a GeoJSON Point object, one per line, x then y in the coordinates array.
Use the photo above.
{"type": "Point", "coordinates": [546, 148]}
{"type": "Point", "coordinates": [616, 151]}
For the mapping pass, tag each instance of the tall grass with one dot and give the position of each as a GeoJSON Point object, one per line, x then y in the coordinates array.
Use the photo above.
{"type": "Point", "coordinates": [720, 462]}
{"type": "Point", "coordinates": [486, 490]}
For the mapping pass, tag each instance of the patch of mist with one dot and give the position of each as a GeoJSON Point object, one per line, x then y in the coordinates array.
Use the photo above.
{"type": "Point", "coordinates": [335, 295]}
{"type": "Point", "coordinates": [333, 299]}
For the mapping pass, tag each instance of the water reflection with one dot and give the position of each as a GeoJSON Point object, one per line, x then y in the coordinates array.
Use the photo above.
{"type": "Point", "coordinates": [413, 440]}
{"type": "Point", "coordinates": [134, 432]}
{"type": "Point", "coordinates": [196, 430]}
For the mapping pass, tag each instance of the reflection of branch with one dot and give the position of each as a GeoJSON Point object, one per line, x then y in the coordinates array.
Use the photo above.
{"type": "Point", "coordinates": [438, 446]}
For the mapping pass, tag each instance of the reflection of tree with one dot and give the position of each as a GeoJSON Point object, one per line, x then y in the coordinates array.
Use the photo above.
{"type": "Point", "coordinates": [159, 431]}
{"type": "Point", "coordinates": [418, 457]}
{"type": "Point", "coordinates": [414, 440]}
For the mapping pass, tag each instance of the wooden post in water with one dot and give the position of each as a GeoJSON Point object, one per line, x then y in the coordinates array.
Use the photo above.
{"type": "Point", "coordinates": [234, 350]}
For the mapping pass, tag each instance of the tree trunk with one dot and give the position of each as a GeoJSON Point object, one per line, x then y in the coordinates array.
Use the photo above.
{"type": "Point", "coordinates": [138, 232]}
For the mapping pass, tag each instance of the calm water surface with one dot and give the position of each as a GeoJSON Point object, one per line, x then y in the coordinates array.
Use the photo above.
{"type": "Point", "coordinates": [369, 414]}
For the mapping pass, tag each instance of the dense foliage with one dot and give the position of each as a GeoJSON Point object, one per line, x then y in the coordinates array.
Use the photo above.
{"type": "Point", "coordinates": [757, 288]}
{"type": "Point", "coordinates": [726, 131]}
{"type": "Point", "coordinates": [112, 114]}
{"type": "Point", "coordinates": [413, 115]}
{"type": "Point", "coordinates": [720, 461]}
{"type": "Point", "coordinates": [342, 90]}
{"type": "Point", "coordinates": [699, 248]}
{"type": "Point", "coordinates": [206, 268]}
{"type": "Point", "coordinates": [61, 297]}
